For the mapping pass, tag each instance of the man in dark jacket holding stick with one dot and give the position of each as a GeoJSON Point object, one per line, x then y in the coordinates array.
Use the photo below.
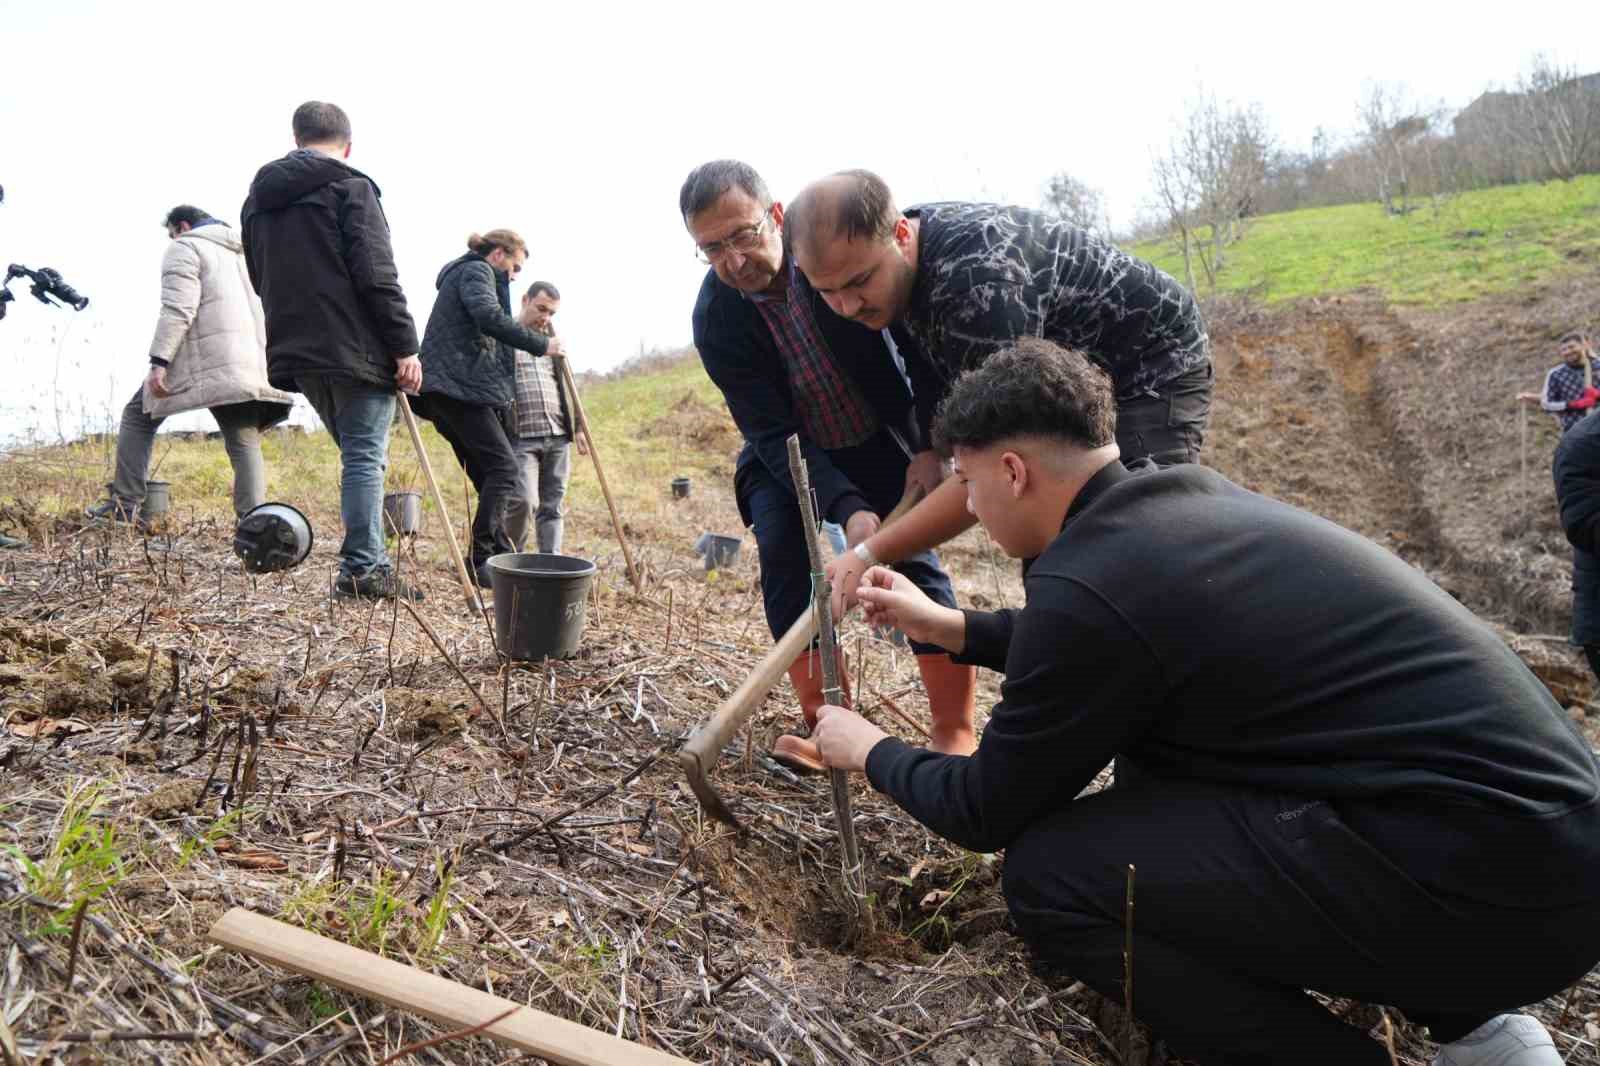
{"type": "Point", "coordinates": [317, 246]}
{"type": "Point", "coordinates": [469, 354]}
{"type": "Point", "coordinates": [1341, 779]}
{"type": "Point", "coordinates": [785, 365]}
{"type": "Point", "coordinates": [1577, 474]}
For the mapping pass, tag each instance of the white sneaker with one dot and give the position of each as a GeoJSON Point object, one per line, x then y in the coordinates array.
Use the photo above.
{"type": "Point", "coordinates": [1505, 1040]}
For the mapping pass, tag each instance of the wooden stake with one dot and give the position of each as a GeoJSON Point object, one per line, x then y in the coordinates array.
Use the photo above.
{"type": "Point", "coordinates": [468, 586]}
{"type": "Point", "coordinates": [599, 473]}
{"type": "Point", "coordinates": [855, 875]}
{"type": "Point", "coordinates": [456, 1006]}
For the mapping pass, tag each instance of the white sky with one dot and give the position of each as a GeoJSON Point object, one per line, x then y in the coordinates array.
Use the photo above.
{"type": "Point", "coordinates": [577, 127]}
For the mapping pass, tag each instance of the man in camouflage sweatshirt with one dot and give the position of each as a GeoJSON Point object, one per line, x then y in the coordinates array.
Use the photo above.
{"type": "Point", "coordinates": [967, 280]}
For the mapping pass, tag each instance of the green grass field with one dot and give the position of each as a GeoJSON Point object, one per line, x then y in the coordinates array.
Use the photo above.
{"type": "Point", "coordinates": [1474, 244]}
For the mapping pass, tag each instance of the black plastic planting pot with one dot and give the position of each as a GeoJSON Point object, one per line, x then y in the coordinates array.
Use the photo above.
{"type": "Point", "coordinates": [540, 602]}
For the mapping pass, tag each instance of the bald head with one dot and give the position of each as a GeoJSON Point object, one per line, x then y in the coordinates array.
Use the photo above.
{"type": "Point", "coordinates": [848, 205]}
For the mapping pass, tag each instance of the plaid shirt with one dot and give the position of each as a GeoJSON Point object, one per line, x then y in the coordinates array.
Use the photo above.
{"type": "Point", "coordinates": [1563, 383]}
{"type": "Point", "coordinates": [541, 401]}
{"type": "Point", "coordinates": [833, 412]}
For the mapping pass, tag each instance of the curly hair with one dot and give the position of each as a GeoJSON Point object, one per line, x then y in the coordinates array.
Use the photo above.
{"type": "Point", "coordinates": [504, 239]}
{"type": "Point", "coordinates": [1032, 389]}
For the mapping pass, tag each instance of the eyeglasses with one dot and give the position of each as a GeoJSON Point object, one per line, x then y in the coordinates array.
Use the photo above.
{"type": "Point", "coordinates": [743, 241]}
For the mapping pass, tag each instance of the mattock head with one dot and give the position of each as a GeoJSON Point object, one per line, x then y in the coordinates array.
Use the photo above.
{"type": "Point", "coordinates": [700, 782]}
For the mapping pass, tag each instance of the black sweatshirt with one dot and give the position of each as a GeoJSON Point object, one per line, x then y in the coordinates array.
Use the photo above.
{"type": "Point", "coordinates": [1207, 632]}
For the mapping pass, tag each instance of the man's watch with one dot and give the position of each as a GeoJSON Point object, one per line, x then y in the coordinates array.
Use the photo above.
{"type": "Point", "coordinates": [864, 553]}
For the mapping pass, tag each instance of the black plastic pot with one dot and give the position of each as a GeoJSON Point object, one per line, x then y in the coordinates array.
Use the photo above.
{"type": "Point", "coordinates": [680, 488]}
{"type": "Point", "coordinates": [402, 512]}
{"type": "Point", "coordinates": [272, 537]}
{"type": "Point", "coordinates": [157, 499]}
{"type": "Point", "coordinates": [718, 550]}
{"type": "Point", "coordinates": [540, 602]}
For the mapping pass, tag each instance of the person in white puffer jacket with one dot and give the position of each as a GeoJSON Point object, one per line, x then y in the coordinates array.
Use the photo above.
{"type": "Point", "coordinates": [209, 351]}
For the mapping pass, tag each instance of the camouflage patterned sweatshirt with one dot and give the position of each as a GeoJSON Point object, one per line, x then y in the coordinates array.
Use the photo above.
{"type": "Point", "coordinates": [988, 274]}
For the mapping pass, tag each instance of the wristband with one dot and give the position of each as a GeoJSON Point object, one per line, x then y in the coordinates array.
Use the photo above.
{"type": "Point", "coordinates": [864, 553]}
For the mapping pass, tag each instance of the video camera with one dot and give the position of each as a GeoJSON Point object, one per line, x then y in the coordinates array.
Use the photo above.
{"type": "Point", "coordinates": [46, 283]}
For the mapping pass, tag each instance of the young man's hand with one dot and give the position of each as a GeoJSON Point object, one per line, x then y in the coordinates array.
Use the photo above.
{"type": "Point", "coordinates": [408, 374]}
{"type": "Point", "coordinates": [891, 601]}
{"type": "Point", "coordinates": [554, 347]}
{"type": "Point", "coordinates": [843, 738]}
{"type": "Point", "coordinates": [157, 382]}
{"type": "Point", "coordinates": [582, 442]}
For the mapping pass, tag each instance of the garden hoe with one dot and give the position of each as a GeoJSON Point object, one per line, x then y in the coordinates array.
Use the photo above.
{"type": "Point", "coordinates": [699, 753]}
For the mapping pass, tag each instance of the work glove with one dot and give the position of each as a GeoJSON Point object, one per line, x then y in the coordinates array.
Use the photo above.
{"type": "Point", "coordinates": [1585, 400]}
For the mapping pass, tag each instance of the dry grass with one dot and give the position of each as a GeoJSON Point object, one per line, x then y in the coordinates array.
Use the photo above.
{"type": "Point", "coordinates": [180, 738]}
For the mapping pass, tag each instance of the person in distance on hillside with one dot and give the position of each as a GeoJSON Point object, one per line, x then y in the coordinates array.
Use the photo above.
{"type": "Point", "coordinates": [1331, 775]}
{"type": "Point", "coordinates": [786, 364]}
{"type": "Point", "coordinates": [317, 244]}
{"type": "Point", "coordinates": [209, 351]}
{"type": "Point", "coordinates": [1569, 390]}
{"type": "Point", "coordinates": [542, 430]}
{"type": "Point", "coordinates": [469, 365]}
{"type": "Point", "coordinates": [967, 280]}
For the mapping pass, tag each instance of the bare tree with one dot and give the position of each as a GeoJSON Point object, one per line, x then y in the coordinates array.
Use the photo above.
{"type": "Point", "coordinates": [1207, 183]}
{"type": "Point", "coordinates": [1078, 202]}
{"type": "Point", "coordinates": [1395, 128]}
{"type": "Point", "coordinates": [1556, 113]}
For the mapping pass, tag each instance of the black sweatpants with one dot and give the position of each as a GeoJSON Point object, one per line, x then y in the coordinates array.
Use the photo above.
{"type": "Point", "coordinates": [478, 436]}
{"type": "Point", "coordinates": [1242, 899]}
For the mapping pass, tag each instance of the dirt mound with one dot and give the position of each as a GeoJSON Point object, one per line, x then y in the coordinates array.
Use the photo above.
{"type": "Point", "coordinates": [1403, 426]}
{"type": "Point", "coordinates": [694, 425]}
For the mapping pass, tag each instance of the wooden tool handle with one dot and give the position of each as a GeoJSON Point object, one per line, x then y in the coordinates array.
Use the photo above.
{"type": "Point", "coordinates": [450, 1004]}
{"type": "Point", "coordinates": [702, 748]}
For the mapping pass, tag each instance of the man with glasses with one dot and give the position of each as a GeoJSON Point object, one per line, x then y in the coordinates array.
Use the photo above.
{"type": "Point", "coordinates": [469, 377]}
{"type": "Point", "coordinates": [786, 365]}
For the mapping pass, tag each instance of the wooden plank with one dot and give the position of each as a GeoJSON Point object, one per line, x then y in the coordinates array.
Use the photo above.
{"type": "Point", "coordinates": [452, 1005]}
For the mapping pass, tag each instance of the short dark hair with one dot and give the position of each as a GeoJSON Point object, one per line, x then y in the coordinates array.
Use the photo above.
{"type": "Point", "coordinates": [541, 286]}
{"type": "Point", "coordinates": [186, 213]}
{"type": "Point", "coordinates": [709, 182]}
{"type": "Point", "coordinates": [854, 203]}
{"type": "Point", "coordinates": [316, 122]}
{"type": "Point", "coordinates": [1575, 336]}
{"type": "Point", "coordinates": [1035, 388]}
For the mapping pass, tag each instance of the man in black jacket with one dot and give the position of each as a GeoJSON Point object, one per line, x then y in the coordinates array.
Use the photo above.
{"type": "Point", "coordinates": [1577, 474]}
{"type": "Point", "coordinates": [785, 365]}
{"type": "Point", "coordinates": [469, 352]}
{"type": "Point", "coordinates": [968, 280]}
{"type": "Point", "coordinates": [317, 246]}
{"type": "Point", "coordinates": [1343, 780]}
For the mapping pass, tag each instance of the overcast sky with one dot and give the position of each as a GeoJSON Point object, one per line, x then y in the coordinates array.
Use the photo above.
{"type": "Point", "coordinates": [575, 127]}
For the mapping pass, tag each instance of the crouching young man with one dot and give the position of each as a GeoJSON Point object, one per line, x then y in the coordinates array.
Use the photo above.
{"type": "Point", "coordinates": [1331, 775]}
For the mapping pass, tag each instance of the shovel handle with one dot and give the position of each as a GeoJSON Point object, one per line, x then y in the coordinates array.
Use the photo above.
{"type": "Point", "coordinates": [699, 753]}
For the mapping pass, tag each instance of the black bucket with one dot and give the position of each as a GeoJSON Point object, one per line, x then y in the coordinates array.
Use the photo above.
{"type": "Point", "coordinates": [540, 602]}
{"type": "Point", "coordinates": [680, 488]}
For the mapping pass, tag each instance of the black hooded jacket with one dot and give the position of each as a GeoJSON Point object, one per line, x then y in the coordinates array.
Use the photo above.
{"type": "Point", "coordinates": [317, 245]}
{"type": "Point", "coordinates": [468, 350]}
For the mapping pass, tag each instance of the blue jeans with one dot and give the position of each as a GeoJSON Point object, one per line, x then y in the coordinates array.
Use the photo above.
{"type": "Point", "coordinates": [358, 418]}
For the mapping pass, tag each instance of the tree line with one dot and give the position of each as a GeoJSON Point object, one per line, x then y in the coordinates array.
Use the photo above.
{"type": "Point", "coordinates": [1222, 165]}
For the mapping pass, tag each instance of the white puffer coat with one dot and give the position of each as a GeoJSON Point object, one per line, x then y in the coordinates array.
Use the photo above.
{"type": "Point", "coordinates": [211, 331]}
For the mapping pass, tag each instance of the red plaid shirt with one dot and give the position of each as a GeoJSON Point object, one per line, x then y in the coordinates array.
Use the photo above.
{"type": "Point", "coordinates": [833, 412]}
